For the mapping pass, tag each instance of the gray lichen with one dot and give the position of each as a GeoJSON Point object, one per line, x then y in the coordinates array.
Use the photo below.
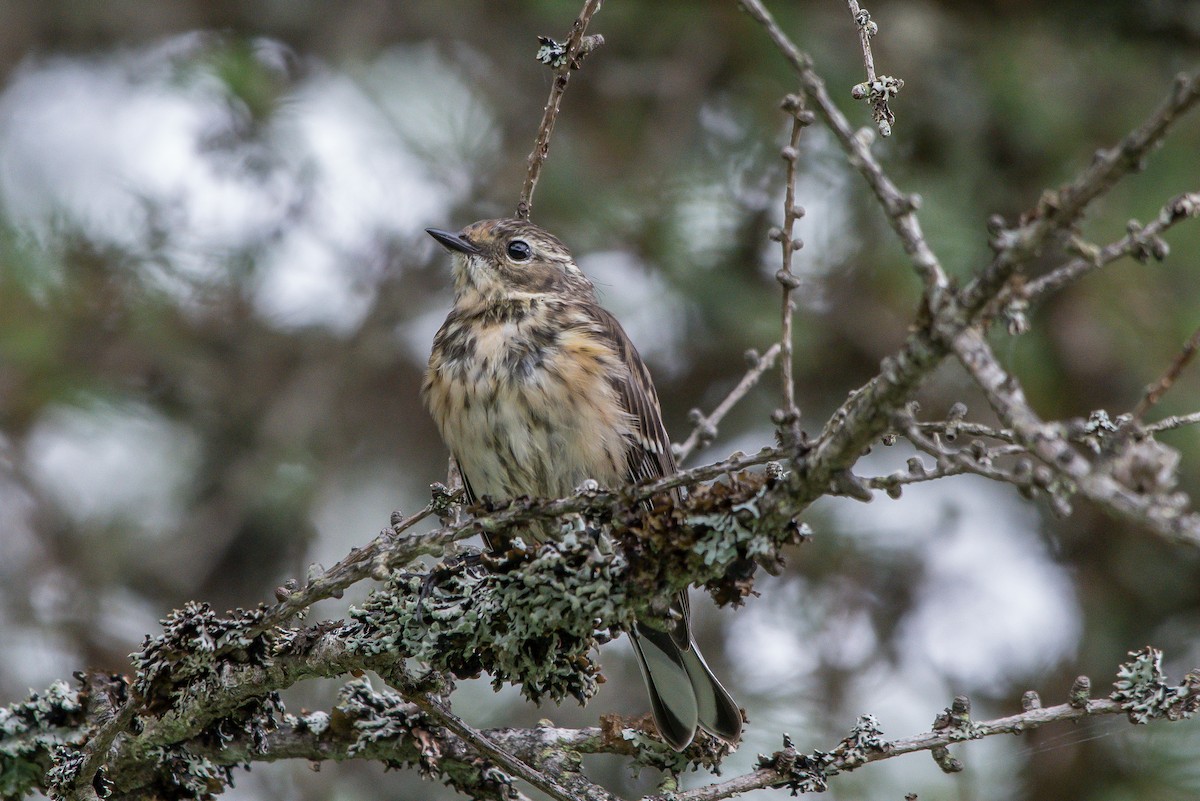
{"type": "Point", "coordinates": [533, 615]}
{"type": "Point", "coordinates": [802, 773]}
{"type": "Point", "coordinates": [195, 645]}
{"type": "Point", "coordinates": [865, 739]}
{"type": "Point", "coordinates": [1144, 693]}
{"type": "Point", "coordinates": [377, 718]}
{"type": "Point", "coordinates": [33, 732]}
{"type": "Point", "coordinates": [530, 619]}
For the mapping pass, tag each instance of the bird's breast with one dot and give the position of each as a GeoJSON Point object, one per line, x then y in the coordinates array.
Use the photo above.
{"type": "Point", "coordinates": [528, 406]}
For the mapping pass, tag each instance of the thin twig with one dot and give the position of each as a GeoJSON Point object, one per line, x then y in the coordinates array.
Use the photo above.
{"type": "Point", "coordinates": [1142, 242]}
{"type": "Point", "coordinates": [562, 73]}
{"type": "Point", "coordinates": [1047, 442]}
{"type": "Point", "coordinates": [501, 757]}
{"type": "Point", "coordinates": [963, 427]}
{"type": "Point", "coordinates": [1155, 391]}
{"type": "Point", "coordinates": [899, 208]}
{"type": "Point", "coordinates": [925, 741]}
{"type": "Point", "coordinates": [1059, 209]}
{"type": "Point", "coordinates": [1171, 423]}
{"type": "Point", "coordinates": [704, 429]}
{"type": "Point", "coordinates": [788, 418]}
{"type": "Point", "coordinates": [878, 89]}
{"type": "Point", "coordinates": [949, 463]}
{"type": "Point", "coordinates": [358, 565]}
{"type": "Point", "coordinates": [862, 18]}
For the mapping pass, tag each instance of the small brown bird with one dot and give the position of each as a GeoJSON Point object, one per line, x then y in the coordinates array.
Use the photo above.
{"type": "Point", "coordinates": [535, 389]}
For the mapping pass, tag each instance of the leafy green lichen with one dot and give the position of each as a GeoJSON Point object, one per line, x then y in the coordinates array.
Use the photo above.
{"type": "Point", "coordinates": [32, 732]}
{"type": "Point", "coordinates": [530, 619]}
{"type": "Point", "coordinates": [1144, 693]}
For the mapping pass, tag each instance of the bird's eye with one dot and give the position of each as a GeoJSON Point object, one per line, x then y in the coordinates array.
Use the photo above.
{"type": "Point", "coordinates": [519, 250]}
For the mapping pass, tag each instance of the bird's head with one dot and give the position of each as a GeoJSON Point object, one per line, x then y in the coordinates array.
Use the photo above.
{"type": "Point", "coordinates": [510, 259]}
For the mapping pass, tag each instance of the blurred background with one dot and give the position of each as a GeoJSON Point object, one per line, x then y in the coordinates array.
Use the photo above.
{"type": "Point", "coordinates": [216, 302]}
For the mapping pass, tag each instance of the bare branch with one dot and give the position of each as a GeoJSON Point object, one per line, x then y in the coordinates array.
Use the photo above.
{"type": "Point", "coordinates": [1059, 209]}
{"type": "Point", "coordinates": [1171, 423]}
{"type": "Point", "coordinates": [1142, 242]}
{"type": "Point", "coordinates": [582, 790]}
{"type": "Point", "coordinates": [1141, 693]}
{"type": "Point", "coordinates": [563, 64]}
{"type": "Point", "coordinates": [788, 417]}
{"type": "Point", "coordinates": [1154, 508]}
{"type": "Point", "coordinates": [949, 463]}
{"type": "Point", "coordinates": [866, 29]}
{"type": "Point", "coordinates": [899, 208]}
{"type": "Point", "coordinates": [704, 430]}
{"type": "Point", "coordinates": [1157, 390]}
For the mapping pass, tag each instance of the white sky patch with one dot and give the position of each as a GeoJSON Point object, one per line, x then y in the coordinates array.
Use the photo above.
{"type": "Point", "coordinates": [387, 152]}
{"type": "Point", "coordinates": [993, 603]}
{"type": "Point", "coordinates": [771, 643]}
{"type": "Point", "coordinates": [703, 221]}
{"type": "Point", "coordinates": [416, 334]}
{"type": "Point", "coordinates": [110, 460]}
{"type": "Point", "coordinates": [32, 657]}
{"type": "Point", "coordinates": [128, 148]}
{"type": "Point", "coordinates": [436, 115]}
{"type": "Point", "coordinates": [305, 281]}
{"type": "Point", "coordinates": [92, 142]}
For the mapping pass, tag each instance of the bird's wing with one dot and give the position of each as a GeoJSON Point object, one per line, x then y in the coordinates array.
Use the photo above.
{"type": "Point", "coordinates": [468, 493]}
{"type": "Point", "coordinates": [649, 453]}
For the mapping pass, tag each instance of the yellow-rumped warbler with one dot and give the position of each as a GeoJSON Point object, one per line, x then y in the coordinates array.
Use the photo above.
{"type": "Point", "coordinates": [535, 389]}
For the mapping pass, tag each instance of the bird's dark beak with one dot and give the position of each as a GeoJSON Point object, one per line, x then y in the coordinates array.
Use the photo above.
{"type": "Point", "coordinates": [452, 241]}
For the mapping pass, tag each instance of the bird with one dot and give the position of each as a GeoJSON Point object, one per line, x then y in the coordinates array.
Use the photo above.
{"type": "Point", "coordinates": [535, 389]}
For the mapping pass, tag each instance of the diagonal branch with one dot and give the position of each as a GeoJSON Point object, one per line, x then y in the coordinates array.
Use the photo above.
{"type": "Point", "coordinates": [1141, 692]}
{"type": "Point", "coordinates": [1060, 209]}
{"type": "Point", "coordinates": [1142, 242]}
{"type": "Point", "coordinates": [1160, 387]}
{"type": "Point", "coordinates": [582, 790]}
{"type": "Point", "coordinates": [1155, 509]}
{"type": "Point", "coordinates": [704, 430]}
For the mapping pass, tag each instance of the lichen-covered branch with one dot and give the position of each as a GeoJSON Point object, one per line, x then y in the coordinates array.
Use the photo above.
{"type": "Point", "coordinates": [1141, 692]}
{"type": "Point", "coordinates": [534, 618]}
{"type": "Point", "coordinates": [204, 694]}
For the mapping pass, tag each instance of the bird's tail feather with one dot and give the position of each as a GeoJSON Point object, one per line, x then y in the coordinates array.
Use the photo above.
{"type": "Point", "coordinates": [669, 685]}
{"type": "Point", "coordinates": [683, 691]}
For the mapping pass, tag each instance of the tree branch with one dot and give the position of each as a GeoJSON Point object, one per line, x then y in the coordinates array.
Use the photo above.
{"type": "Point", "coordinates": [704, 429]}
{"type": "Point", "coordinates": [1060, 209]}
{"type": "Point", "coordinates": [1150, 506]}
{"type": "Point", "coordinates": [899, 208]}
{"type": "Point", "coordinates": [1142, 694]}
{"type": "Point", "coordinates": [562, 62]}
{"type": "Point", "coordinates": [1142, 242]}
